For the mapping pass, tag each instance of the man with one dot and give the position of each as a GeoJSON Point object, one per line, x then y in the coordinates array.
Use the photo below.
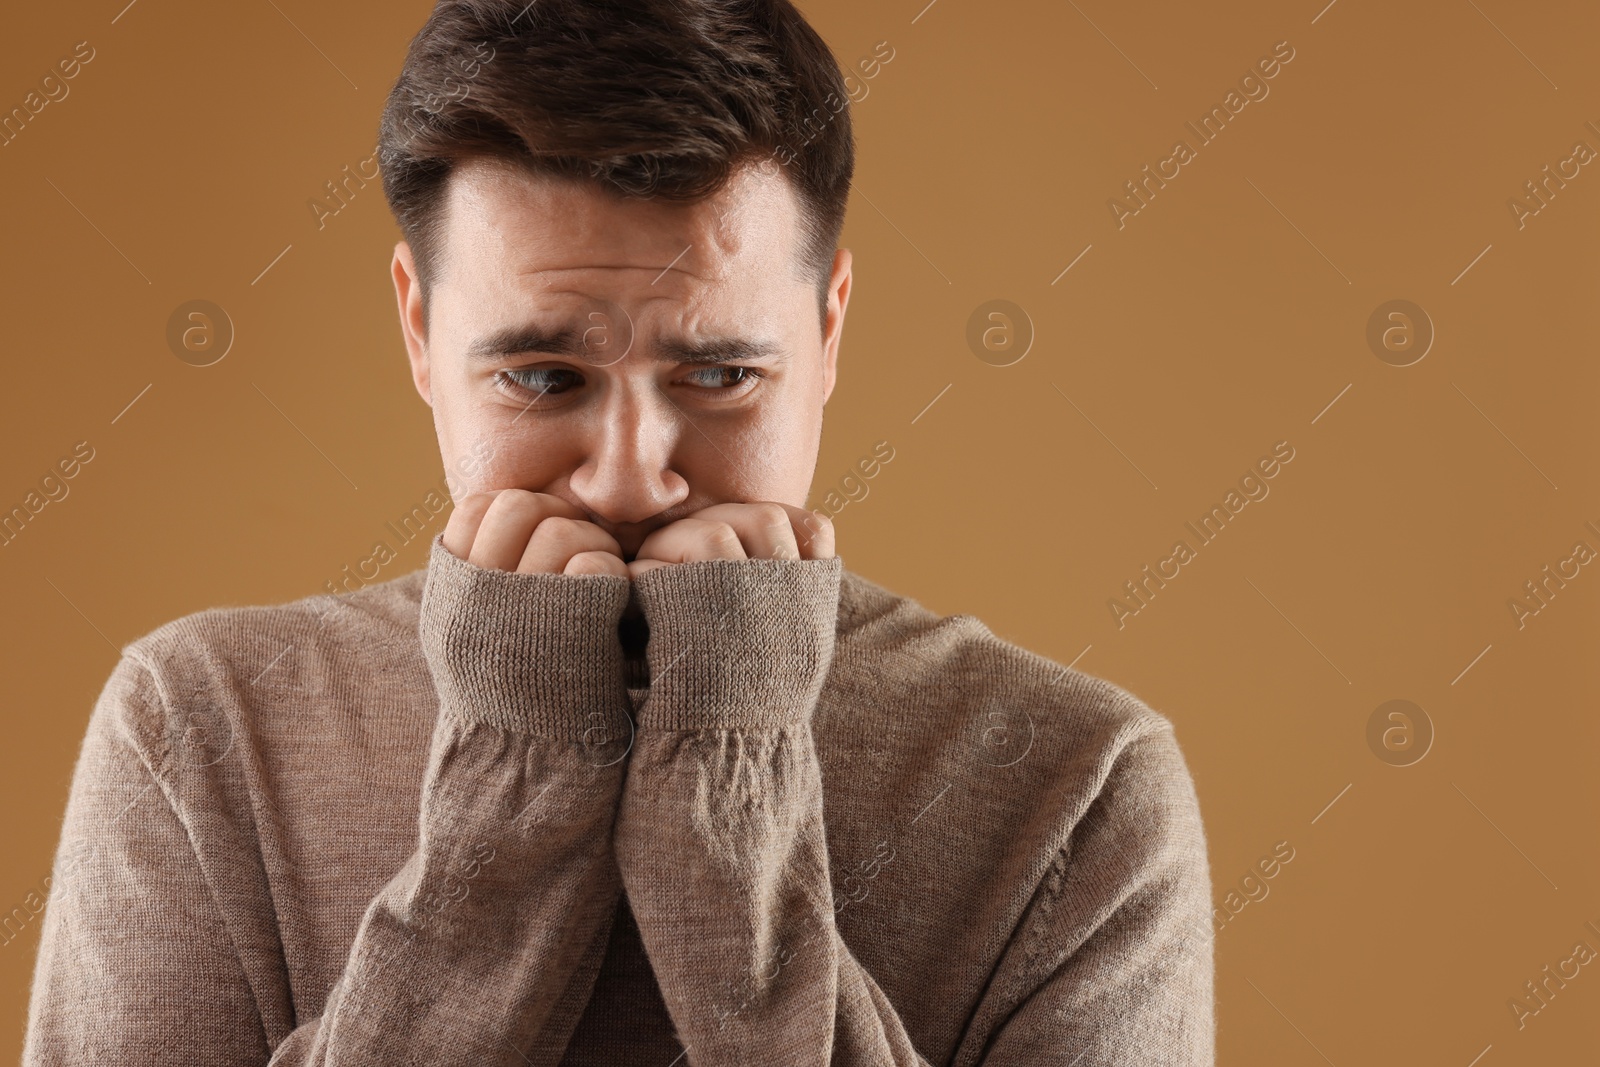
{"type": "Point", "coordinates": [634, 771]}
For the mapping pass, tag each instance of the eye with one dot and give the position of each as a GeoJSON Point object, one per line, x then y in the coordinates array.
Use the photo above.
{"type": "Point", "coordinates": [718, 378]}
{"type": "Point", "coordinates": [534, 384]}
{"type": "Point", "coordinates": [539, 381]}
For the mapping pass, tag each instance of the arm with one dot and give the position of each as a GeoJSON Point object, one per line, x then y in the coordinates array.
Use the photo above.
{"type": "Point", "coordinates": [1118, 968]}
{"type": "Point", "coordinates": [130, 923]}
{"type": "Point", "coordinates": [721, 846]}
{"type": "Point", "coordinates": [719, 836]}
{"type": "Point", "coordinates": [481, 949]}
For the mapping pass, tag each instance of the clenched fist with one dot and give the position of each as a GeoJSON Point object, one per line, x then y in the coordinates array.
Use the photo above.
{"type": "Point", "coordinates": [538, 533]}
{"type": "Point", "coordinates": [759, 530]}
{"type": "Point", "coordinates": [530, 533]}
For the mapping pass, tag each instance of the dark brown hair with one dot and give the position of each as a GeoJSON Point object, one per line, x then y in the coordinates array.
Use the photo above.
{"type": "Point", "coordinates": [644, 98]}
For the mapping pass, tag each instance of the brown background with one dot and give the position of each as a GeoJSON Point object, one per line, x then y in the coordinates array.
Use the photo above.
{"type": "Point", "coordinates": [1226, 316]}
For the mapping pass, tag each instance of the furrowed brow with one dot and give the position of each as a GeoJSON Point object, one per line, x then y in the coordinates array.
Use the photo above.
{"type": "Point", "coordinates": [533, 338]}
{"type": "Point", "coordinates": [520, 340]}
{"type": "Point", "coordinates": [718, 350]}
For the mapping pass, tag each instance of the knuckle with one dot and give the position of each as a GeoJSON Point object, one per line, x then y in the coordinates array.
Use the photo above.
{"type": "Point", "coordinates": [515, 502]}
{"type": "Point", "coordinates": [525, 502]}
{"type": "Point", "coordinates": [772, 514]}
{"type": "Point", "coordinates": [723, 534]}
{"type": "Point", "coordinates": [568, 532]}
{"type": "Point", "coordinates": [560, 529]}
{"type": "Point", "coordinates": [477, 502]}
{"type": "Point", "coordinates": [590, 562]}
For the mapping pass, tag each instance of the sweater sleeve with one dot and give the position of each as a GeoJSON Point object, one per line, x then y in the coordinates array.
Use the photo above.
{"type": "Point", "coordinates": [719, 835]}
{"type": "Point", "coordinates": [720, 841]}
{"type": "Point", "coordinates": [1113, 964]}
{"type": "Point", "coordinates": [482, 948]}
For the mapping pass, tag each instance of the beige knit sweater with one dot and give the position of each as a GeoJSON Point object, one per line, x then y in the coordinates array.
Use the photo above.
{"type": "Point", "coordinates": [417, 824]}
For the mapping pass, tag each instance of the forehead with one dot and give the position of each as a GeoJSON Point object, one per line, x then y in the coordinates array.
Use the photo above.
{"type": "Point", "coordinates": [503, 224]}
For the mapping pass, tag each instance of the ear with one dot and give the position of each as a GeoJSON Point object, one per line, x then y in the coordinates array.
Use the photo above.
{"type": "Point", "coordinates": [408, 294]}
{"type": "Point", "coordinates": [833, 327]}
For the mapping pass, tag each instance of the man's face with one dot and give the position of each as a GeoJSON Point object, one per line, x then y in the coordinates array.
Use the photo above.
{"type": "Point", "coordinates": [567, 336]}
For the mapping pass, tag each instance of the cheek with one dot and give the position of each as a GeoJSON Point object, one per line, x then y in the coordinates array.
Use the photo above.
{"type": "Point", "coordinates": [480, 445]}
{"type": "Point", "coordinates": [774, 450]}
{"type": "Point", "coordinates": [521, 458]}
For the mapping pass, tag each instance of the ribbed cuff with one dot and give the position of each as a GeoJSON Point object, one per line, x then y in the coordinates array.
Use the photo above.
{"type": "Point", "coordinates": [737, 644]}
{"type": "Point", "coordinates": [532, 652]}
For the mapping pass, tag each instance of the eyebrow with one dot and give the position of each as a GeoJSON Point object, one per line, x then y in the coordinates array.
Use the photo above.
{"type": "Point", "coordinates": [522, 340]}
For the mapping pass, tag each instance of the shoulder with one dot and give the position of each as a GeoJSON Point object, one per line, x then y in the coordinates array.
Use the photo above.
{"type": "Point", "coordinates": [187, 683]}
{"type": "Point", "coordinates": [235, 640]}
{"type": "Point", "coordinates": [963, 663]}
{"type": "Point", "coordinates": [1062, 741]}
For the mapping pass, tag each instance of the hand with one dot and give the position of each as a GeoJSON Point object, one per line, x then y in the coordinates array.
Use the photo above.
{"type": "Point", "coordinates": [530, 533]}
{"type": "Point", "coordinates": [759, 530]}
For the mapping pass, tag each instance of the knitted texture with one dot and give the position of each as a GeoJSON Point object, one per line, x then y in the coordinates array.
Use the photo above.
{"type": "Point", "coordinates": [532, 652]}
{"type": "Point", "coordinates": [428, 823]}
{"type": "Point", "coordinates": [762, 659]}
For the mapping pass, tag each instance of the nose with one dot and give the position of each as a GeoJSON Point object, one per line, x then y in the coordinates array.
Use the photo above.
{"type": "Point", "coordinates": [626, 474]}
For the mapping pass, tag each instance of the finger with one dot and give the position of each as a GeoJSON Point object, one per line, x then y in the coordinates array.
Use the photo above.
{"type": "Point", "coordinates": [462, 526]}
{"type": "Point", "coordinates": [691, 539]}
{"type": "Point", "coordinates": [765, 528]}
{"type": "Point", "coordinates": [597, 562]}
{"type": "Point", "coordinates": [559, 538]}
{"type": "Point", "coordinates": [811, 532]}
{"type": "Point", "coordinates": [509, 524]}
{"type": "Point", "coordinates": [815, 531]}
{"type": "Point", "coordinates": [637, 567]}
